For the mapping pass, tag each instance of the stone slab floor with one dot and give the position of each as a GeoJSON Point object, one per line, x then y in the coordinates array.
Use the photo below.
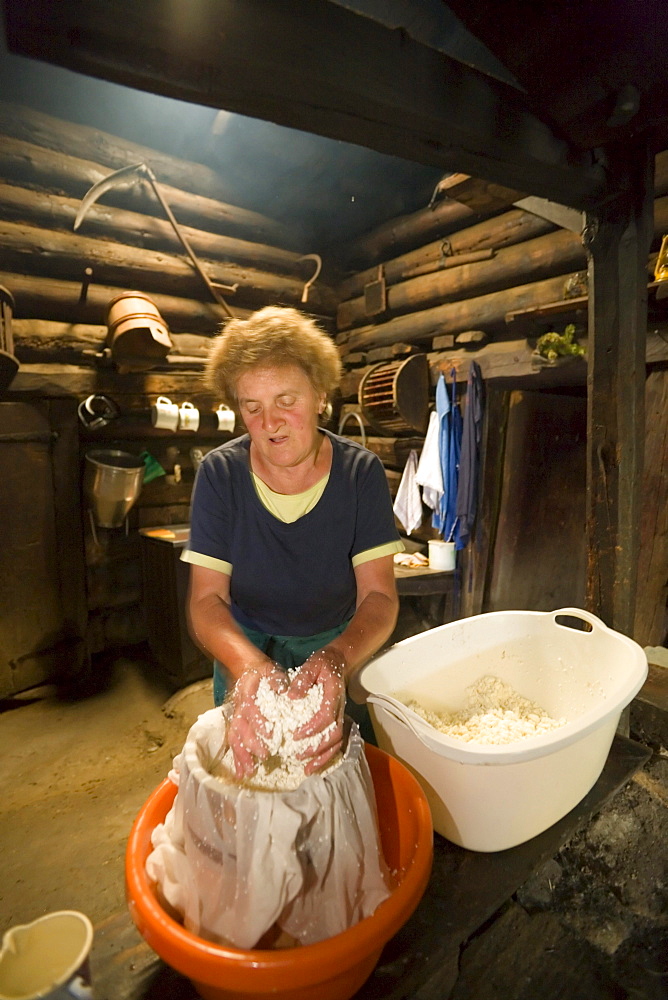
{"type": "Point", "coordinates": [75, 770]}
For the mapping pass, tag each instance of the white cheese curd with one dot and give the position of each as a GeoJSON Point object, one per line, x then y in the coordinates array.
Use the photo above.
{"type": "Point", "coordinates": [495, 714]}
{"type": "Point", "coordinates": [282, 771]}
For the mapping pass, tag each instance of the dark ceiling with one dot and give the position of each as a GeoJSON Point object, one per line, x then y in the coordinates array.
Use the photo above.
{"type": "Point", "coordinates": [544, 98]}
{"type": "Point", "coordinates": [328, 190]}
{"type": "Point", "coordinates": [597, 72]}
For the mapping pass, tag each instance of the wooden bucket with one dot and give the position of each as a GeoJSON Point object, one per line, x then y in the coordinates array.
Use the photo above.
{"type": "Point", "coordinates": [394, 396]}
{"type": "Point", "coordinates": [136, 332]}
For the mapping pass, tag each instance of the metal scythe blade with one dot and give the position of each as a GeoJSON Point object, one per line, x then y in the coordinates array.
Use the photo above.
{"type": "Point", "coordinates": [107, 184]}
{"type": "Point", "coordinates": [141, 171]}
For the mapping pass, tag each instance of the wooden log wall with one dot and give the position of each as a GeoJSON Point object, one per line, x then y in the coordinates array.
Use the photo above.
{"type": "Point", "coordinates": [59, 325]}
{"type": "Point", "coordinates": [532, 264]}
{"type": "Point", "coordinates": [48, 165]}
{"type": "Point", "coordinates": [456, 308]}
{"type": "Point", "coordinates": [461, 280]}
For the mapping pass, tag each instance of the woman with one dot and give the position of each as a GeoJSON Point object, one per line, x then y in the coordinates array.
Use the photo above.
{"type": "Point", "coordinates": [292, 535]}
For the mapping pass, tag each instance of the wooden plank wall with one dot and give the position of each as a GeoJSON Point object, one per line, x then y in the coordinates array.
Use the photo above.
{"type": "Point", "coordinates": [539, 560]}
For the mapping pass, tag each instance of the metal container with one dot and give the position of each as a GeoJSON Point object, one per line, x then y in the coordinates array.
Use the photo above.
{"type": "Point", "coordinates": [112, 482]}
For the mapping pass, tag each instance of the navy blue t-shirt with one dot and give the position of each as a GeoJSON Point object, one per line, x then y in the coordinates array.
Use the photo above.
{"type": "Point", "coordinates": [291, 579]}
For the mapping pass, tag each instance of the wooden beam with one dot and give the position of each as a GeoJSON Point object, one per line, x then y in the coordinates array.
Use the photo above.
{"type": "Point", "coordinates": [404, 232]}
{"type": "Point", "coordinates": [650, 616]}
{"type": "Point", "coordinates": [617, 242]}
{"type": "Point", "coordinates": [62, 142]}
{"type": "Point", "coordinates": [54, 299]}
{"type": "Point", "coordinates": [502, 231]}
{"type": "Point", "coordinates": [319, 67]}
{"type": "Point", "coordinates": [479, 312]}
{"type": "Point", "coordinates": [73, 380]}
{"type": "Point", "coordinates": [39, 337]}
{"type": "Point", "coordinates": [544, 257]}
{"type": "Point", "coordinates": [435, 221]}
{"type": "Point", "coordinates": [52, 253]}
{"type": "Point", "coordinates": [479, 195]}
{"type": "Point", "coordinates": [560, 215]}
{"type": "Point", "coordinates": [40, 149]}
{"type": "Point", "coordinates": [51, 211]}
{"type": "Point", "coordinates": [512, 364]}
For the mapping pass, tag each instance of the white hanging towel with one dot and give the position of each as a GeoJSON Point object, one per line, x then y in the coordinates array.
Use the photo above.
{"type": "Point", "coordinates": [408, 502]}
{"type": "Point", "coordinates": [429, 474]}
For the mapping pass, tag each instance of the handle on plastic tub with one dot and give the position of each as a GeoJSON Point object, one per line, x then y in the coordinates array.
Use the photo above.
{"type": "Point", "coordinates": [586, 616]}
{"type": "Point", "coordinates": [402, 714]}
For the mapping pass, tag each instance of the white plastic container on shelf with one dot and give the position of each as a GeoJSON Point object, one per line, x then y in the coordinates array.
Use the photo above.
{"type": "Point", "coordinates": [489, 798]}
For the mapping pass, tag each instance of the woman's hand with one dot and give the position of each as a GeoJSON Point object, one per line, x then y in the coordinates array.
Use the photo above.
{"type": "Point", "coordinates": [326, 667]}
{"type": "Point", "coordinates": [248, 730]}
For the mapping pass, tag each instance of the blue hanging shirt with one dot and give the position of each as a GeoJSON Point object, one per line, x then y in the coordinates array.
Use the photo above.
{"type": "Point", "coordinates": [469, 463]}
{"type": "Point", "coordinates": [454, 449]}
{"type": "Point", "coordinates": [443, 413]}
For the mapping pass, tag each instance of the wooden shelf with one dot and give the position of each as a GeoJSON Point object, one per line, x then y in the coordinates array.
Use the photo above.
{"type": "Point", "coordinates": [526, 322]}
{"type": "Point", "coordinates": [530, 322]}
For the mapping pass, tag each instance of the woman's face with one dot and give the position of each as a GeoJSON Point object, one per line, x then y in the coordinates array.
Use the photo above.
{"type": "Point", "coordinates": [280, 408]}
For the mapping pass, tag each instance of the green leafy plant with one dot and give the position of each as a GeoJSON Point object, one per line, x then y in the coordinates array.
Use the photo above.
{"type": "Point", "coordinates": [555, 345]}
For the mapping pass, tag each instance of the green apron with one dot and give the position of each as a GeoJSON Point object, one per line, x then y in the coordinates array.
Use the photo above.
{"type": "Point", "coordinates": [288, 651]}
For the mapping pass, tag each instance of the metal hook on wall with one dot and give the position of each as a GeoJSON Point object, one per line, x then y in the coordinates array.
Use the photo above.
{"type": "Point", "coordinates": [318, 260]}
{"type": "Point", "coordinates": [446, 249]}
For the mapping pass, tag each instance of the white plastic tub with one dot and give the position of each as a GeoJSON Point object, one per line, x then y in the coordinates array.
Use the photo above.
{"type": "Point", "coordinates": [489, 798]}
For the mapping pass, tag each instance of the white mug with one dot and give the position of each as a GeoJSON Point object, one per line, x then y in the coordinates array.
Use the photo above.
{"type": "Point", "coordinates": [226, 418]}
{"type": "Point", "coordinates": [441, 555]}
{"type": "Point", "coordinates": [188, 417]}
{"type": "Point", "coordinates": [165, 414]}
{"type": "Point", "coordinates": [48, 958]}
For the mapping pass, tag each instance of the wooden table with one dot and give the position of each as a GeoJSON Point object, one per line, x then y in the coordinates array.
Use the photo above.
{"type": "Point", "coordinates": [427, 582]}
{"type": "Point", "coordinates": [421, 962]}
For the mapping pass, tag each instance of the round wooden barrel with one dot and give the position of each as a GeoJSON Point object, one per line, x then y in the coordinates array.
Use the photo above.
{"type": "Point", "coordinates": [394, 396]}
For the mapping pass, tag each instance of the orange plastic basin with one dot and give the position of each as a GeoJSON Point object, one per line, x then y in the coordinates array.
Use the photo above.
{"type": "Point", "coordinates": [333, 969]}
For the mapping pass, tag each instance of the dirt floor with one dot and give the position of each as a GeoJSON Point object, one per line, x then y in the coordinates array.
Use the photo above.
{"type": "Point", "coordinates": [75, 772]}
{"type": "Point", "coordinates": [76, 769]}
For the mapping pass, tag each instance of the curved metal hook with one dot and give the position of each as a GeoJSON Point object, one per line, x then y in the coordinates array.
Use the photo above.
{"type": "Point", "coordinates": [318, 260]}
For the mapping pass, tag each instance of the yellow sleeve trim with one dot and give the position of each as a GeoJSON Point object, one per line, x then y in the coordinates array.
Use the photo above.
{"type": "Point", "coordinates": [208, 562]}
{"type": "Point", "coordinates": [388, 549]}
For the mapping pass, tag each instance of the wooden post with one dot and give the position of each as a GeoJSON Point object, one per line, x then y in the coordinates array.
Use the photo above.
{"type": "Point", "coordinates": [617, 240]}
{"type": "Point", "coordinates": [650, 619]}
